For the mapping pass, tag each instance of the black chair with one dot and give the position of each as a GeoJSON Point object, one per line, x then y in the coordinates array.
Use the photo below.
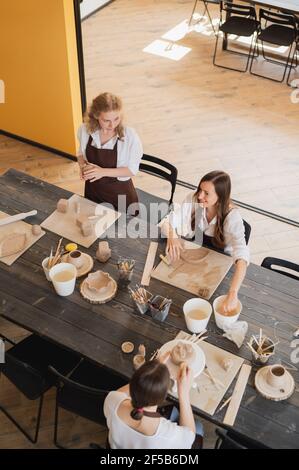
{"type": "Point", "coordinates": [26, 366]}
{"type": "Point", "coordinates": [296, 54]}
{"type": "Point", "coordinates": [83, 392]}
{"type": "Point", "coordinates": [247, 229]}
{"type": "Point", "coordinates": [281, 31]}
{"type": "Point", "coordinates": [269, 262]}
{"type": "Point", "coordinates": [166, 171]}
{"type": "Point", "coordinates": [206, 9]}
{"type": "Point", "coordinates": [233, 440]}
{"type": "Point", "coordinates": [162, 169]}
{"type": "Point", "coordinates": [240, 20]}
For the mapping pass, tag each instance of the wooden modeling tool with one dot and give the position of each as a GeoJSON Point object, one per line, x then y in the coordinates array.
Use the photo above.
{"type": "Point", "coordinates": [237, 395]}
{"type": "Point", "coordinates": [15, 218]}
{"type": "Point", "coordinates": [149, 264]}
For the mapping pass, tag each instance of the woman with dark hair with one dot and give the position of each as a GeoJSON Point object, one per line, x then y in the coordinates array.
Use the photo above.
{"type": "Point", "coordinates": [132, 416]}
{"type": "Point", "coordinates": [210, 212]}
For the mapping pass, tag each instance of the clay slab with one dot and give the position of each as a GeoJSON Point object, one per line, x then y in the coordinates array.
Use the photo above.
{"type": "Point", "coordinates": [202, 278]}
{"type": "Point", "coordinates": [204, 394]}
{"type": "Point", "coordinates": [17, 227]}
{"type": "Point", "coordinates": [65, 224]}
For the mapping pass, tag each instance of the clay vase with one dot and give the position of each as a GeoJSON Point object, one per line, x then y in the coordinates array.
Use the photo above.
{"type": "Point", "coordinates": [276, 376]}
{"type": "Point", "coordinates": [75, 257]}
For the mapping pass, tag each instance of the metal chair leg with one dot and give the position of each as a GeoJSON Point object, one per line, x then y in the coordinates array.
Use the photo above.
{"type": "Point", "coordinates": [286, 65]}
{"type": "Point", "coordinates": [59, 446]}
{"type": "Point", "coordinates": [249, 55]}
{"type": "Point", "coordinates": [23, 431]}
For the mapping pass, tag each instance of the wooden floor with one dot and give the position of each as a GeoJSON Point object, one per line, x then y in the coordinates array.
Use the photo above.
{"type": "Point", "coordinates": [192, 114]}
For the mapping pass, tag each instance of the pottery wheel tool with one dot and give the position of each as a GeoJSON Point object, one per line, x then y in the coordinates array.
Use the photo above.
{"type": "Point", "coordinates": [15, 218]}
{"type": "Point", "coordinates": [237, 395]}
{"type": "Point", "coordinates": [149, 264]}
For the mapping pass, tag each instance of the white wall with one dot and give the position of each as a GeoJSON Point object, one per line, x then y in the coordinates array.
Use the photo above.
{"type": "Point", "coordinates": [89, 6]}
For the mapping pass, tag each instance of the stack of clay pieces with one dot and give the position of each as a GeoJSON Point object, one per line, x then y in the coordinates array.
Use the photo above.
{"type": "Point", "coordinates": [103, 252]}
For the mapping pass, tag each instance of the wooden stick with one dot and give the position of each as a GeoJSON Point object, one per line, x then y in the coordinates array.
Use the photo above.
{"type": "Point", "coordinates": [216, 381]}
{"type": "Point", "coordinates": [165, 260]}
{"type": "Point", "coordinates": [225, 403]}
{"type": "Point", "coordinates": [271, 346]}
{"type": "Point", "coordinates": [237, 395]}
{"type": "Point", "coordinates": [201, 339]}
{"type": "Point", "coordinates": [150, 259]}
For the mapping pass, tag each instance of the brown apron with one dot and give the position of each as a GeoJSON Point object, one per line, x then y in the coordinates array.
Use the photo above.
{"type": "Point", "coordinates": [107, 189]}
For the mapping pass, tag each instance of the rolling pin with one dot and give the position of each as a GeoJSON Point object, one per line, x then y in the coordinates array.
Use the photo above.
{"type": "Point", "coordinates": [15, 218]}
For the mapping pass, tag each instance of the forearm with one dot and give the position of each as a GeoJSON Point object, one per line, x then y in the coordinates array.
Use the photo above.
{"type": "Point", "coordinates": [168, 231]}
{"type": "Point", "coordinates": [186, 414]}
{"type": "Point", "coordinates": [81, 160]}
{"type": "Point", "coordinates": [238, 277]}
{"type": "Point", "coordinates": [117, 172]}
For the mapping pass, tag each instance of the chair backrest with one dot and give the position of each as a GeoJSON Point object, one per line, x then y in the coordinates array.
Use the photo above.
{"type": "Point", "coordinates": [27, 379]}
{"type": "Point", "coordinates": [277, 18]}
{"type": "Point", "coordinates": [233, 440]}
{"type": "Point", "coordinates": [237, 9]}
{"type": "Point", "coordinates": [158, 168]}
{"type": "Point", "coordinates": [81, 399]}
{"type": "Point", "coordinates": [269, 262]}
{"type": "Point", "coordinates": [247, 229]}
{"type": "Point", "coordinates": [226, 442]}
{"type": "Point", "coordinates": [64, 381]}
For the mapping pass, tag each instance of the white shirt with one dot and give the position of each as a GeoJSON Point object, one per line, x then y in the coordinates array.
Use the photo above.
{"type": "Point", "coordinates": [168, 435]}
{"type": "Point", "coordinates": [233, 228]}
{"type": "Point", "coordinates": [129, 149]}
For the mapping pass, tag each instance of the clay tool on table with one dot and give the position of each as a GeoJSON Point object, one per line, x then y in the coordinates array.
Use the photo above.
{"type": "Point", "coordinates": [15, 218]}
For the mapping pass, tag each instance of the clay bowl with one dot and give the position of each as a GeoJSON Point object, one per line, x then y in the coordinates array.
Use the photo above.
{"type": "Point", "coordinates": [99, 283]}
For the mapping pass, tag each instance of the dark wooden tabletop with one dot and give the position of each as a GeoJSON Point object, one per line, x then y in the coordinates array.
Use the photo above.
{"type": "Point", "coordinates": [270, 301]}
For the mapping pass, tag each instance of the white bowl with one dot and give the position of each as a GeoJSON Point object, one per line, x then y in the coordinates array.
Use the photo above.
{"type": "Point", "coordinates": [223, 321]}
{"type": "Point", "coordinates": [196, 325]}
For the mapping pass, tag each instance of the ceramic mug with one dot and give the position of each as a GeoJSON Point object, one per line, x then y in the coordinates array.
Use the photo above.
{"type": "Point", "coordinates": [276, 376]}
{"type": "Point", "coordinates": [75, 257]}
{"type": "Point", "coordinates": [63, 277]}
{"type": "Point", "coordinates": [225, 320]}
{"type": "Point", "coordinates": [197, 314]}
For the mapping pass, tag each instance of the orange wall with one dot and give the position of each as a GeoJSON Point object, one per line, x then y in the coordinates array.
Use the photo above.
{"type": "Point", "coordinates": [40, 70]}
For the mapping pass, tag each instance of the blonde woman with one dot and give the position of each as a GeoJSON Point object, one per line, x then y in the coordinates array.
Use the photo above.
{"type": "Point", "coordinates": [109, 153]}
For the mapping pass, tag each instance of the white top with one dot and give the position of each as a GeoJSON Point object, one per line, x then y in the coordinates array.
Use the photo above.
{"type": "Point", "coordinates": [129, 149]}
{"type": "Point", "coordinates": [168, 435]}
{"type": "Point", "coordinates": [234, 232]}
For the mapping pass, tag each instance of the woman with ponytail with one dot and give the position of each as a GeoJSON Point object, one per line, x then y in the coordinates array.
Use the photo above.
{"type": "Point", "coordinates": [132, 411]}
{"type": "Point", "coordinates": [209, 215]}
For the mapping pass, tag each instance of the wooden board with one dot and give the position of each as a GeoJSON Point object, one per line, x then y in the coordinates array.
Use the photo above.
{"type": "Point", "coordinates": [64, 224]}
{"type": "Point", "coordinates": [17, 227]}
{"type": "Point", "coordinates": [204, 395]}
{"type": "Point", "coordinates": [149, 263]}
{"type": "Point", "coordinates": [201, 279]}
{"type": "Point", "coordinates": [238, 392]}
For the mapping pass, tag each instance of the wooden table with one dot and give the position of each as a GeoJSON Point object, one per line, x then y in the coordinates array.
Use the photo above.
{"type": "Point", "coordinates": [96, 332]}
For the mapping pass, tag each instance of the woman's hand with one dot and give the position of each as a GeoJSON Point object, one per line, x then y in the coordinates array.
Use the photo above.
{"type": "Point", "coordinates": [93, 172]}
{"type": "Point", "coordinates": [230, 303]}
{"type": "Point", "coordinates": [173, 249]}
{"type": "Point", "coordinates": [184, 380]}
